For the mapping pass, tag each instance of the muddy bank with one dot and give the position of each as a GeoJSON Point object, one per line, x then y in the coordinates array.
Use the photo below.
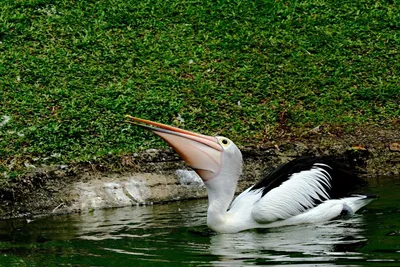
{"type": "Point", "coordinates": [156, 176]}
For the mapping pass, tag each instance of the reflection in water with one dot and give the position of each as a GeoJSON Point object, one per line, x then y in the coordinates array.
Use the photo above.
{"type": "Point", "coordinates": [118, 223]}
{"type": "Point", "coordinates": [321, 242]}
{"type": "Point", "coordinates": [327, 241]}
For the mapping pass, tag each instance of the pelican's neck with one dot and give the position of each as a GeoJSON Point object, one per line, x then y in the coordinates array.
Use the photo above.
{"type": "Point", "coordinates": [221, 191]}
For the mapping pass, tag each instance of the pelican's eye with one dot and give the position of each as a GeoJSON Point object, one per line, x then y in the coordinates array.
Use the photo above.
{"type": "Point", "coordinates": [224, 142]}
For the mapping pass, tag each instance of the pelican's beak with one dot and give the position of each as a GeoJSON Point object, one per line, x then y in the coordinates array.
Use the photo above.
{"type": "Point", "coordinates": [201, 152]}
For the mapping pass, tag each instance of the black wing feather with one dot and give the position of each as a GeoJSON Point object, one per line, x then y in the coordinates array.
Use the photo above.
{"type": "Point", "coordinates": [344, 178]}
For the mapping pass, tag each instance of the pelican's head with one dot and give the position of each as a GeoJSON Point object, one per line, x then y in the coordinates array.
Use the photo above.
{"type": "Point", "coordinates": [209, 156]}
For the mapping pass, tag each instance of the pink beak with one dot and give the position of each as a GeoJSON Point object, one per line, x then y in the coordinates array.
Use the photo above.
{"type": "Point", "coordinates": [201, 152]}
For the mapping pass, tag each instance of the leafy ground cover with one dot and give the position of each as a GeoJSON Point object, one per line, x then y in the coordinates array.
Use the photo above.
{"type": "Point", "coordinates": [70, 71]}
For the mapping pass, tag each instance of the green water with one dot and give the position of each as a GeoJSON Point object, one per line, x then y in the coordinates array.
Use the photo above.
{"type": "Point", "coordinates": [175, 234]}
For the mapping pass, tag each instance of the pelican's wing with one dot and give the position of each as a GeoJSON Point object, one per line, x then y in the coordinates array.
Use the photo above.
{"type": "Point", "coordinates": [299, 186]}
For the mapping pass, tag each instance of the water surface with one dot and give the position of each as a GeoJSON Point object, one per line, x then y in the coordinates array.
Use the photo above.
{"type": "Point", "coordinates": [175, 234]}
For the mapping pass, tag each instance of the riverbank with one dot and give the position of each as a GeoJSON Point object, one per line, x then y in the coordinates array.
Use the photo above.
{"type": "Point", "coordinates": [157, 176]}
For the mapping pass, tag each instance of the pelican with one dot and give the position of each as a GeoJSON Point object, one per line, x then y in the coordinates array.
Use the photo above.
{"type": "Point", "coordinates": [305, 190]}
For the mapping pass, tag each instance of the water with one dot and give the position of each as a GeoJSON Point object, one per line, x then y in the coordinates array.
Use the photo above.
{"type": "Point", "coordinates": [175, 234]}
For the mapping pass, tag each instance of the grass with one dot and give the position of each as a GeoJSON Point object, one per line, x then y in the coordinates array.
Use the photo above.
{"type": "Point", "coordinates": [70, 71]}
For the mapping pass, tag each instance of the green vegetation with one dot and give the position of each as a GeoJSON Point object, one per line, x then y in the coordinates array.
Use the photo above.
{"type": "Point", "coordinates": [70, 71]}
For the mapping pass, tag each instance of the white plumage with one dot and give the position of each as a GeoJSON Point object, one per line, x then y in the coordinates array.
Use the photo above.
{"type": "Point", "coordinates": [293, 197]}
{"type": "Point", "coordinates": [291, 203]}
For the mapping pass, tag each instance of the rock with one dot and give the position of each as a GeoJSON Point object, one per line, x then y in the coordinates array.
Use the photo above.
{"type": "Point", "coordinates": [99, 191]}
{"type": "Point", "coordinates": [394, 147]}
{"type": "Point", "coordinates": [189, 178]}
